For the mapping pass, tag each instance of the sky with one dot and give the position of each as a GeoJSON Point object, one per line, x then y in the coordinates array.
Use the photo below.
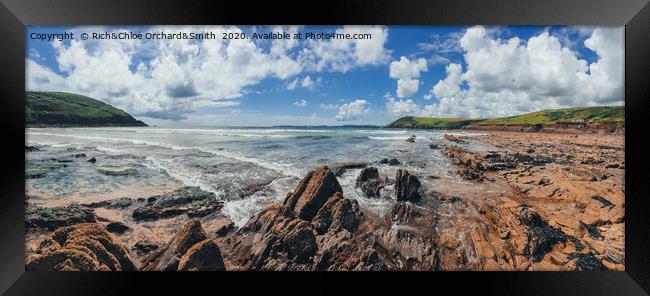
{"type": "Point", "coordinates": [431, 71]}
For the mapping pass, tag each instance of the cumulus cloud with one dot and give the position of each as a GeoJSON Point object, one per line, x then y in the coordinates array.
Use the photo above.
{"type": "Point", "coordinates": [300, 103]}
{"type": "Point", "coordinates": [407, 74]}
{"type": "Point", "coordinates": [508, 77]}
{"type": "Point", "coordinates": [353, 110]}
{"type": "Point", "coordinates": [402, 107]}
{"type": "Point", "coordinates": [171, 78]}
{"type": "Point", "coordinates": [342, 55]}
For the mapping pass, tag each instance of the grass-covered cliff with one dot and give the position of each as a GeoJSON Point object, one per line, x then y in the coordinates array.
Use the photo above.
{"type": "Point", "coordinates": [606, 114]}
{"type": "Point", "coordinates": [66, 109]}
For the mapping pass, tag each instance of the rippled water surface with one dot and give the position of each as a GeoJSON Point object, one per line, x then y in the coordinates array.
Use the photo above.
{"type": "Point", "coordinates": [225, 161]}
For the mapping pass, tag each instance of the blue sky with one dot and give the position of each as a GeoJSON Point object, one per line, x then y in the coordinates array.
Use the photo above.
{"type": "Point", "coordinates": [439, 71]}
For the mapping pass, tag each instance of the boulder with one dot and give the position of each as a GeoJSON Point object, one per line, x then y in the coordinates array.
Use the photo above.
{"type": "Point", "coordinates": [407, 186]}
{"type": "Point", "coordinates": [93, 160]}
{"type": "Point", "coordinates": [312, 192]}
{"type": "Point", "coordinates": [368, 181]}
{"type": "Point", "coordinates": [82, 247]}
{"type": "Point", "coordinates": [203, 256]}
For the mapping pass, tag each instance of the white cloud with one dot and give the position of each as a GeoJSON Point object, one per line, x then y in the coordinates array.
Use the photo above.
{"type": "Point", "coordinates": [342, 55]}
{"type": "Point", "coordinates": [306, 82]}
{"type": "Point", "coordinates": [402, 107]}
{"type": "Point", "coordinates": [407, 74]}
{"type": "Point", "coordinates": [353, 110]}
{"type": "Point", "coordinates": [508, 77]}
{"type": "Point", "coordinates": [300, 103]}
{"type": "Point", "coordinates": [329, 106]}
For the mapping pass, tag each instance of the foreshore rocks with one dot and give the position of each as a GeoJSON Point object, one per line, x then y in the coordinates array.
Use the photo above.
{"type": "Point", "coordinates": [189, 250]}
{"type": "Point", "coordinates": [190, 201]}
{"type": "Point", "coordinates": [82, 247]}
{"type": "Point", "coordinates": [368, 181]}
{"type": "Point", "coordinates": [315, 228]}
{"type": "Point", "coordinates": [410, 242]}
{"type": "Point", "coordinates": [407, 186]}
{"type": "Point", "coordinates": [56, 217]}
{"type": "Point", "coordinates": [558, 205]}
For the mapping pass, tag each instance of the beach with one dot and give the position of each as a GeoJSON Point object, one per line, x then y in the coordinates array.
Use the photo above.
{"type": "Point", "coordinates": [475, 200]}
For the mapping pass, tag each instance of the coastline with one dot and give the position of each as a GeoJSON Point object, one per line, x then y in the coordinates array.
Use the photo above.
{"type": "Point", "coordinates": [482, 223]}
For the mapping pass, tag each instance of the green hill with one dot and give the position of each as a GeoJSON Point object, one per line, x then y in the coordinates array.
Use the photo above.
{"type": "Point", "coordinates": [66, 109]}
{"type": "Point", "coordinates": [568, 115]}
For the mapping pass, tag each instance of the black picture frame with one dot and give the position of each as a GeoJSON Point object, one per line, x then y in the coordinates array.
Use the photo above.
{"type": "Point", "coordinates": [633, 14]}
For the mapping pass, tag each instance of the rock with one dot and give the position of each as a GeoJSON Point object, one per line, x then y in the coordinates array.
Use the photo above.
{"type": "Point", "coordinates": [587, 262]}
{"type": "Point", "coordinates": [299, 241]}
{"type": "Point", "coordinates": [407, 186]}
{"type": "Point", "coordinates": [31, 148]}
{"type": "Point", "coordinates": [337, 213]}
{"type": "Point", "coordinates": [402, 213]}
{"type": "Point", "coordinates": [592, 229]}
{"type": "Point", "coordinates": [542, 236]}
{"type": "Point", "coordinates": [312, 192]}
{"type": "Point", "coordinates": [341, 168]}
{"type": "Point", "coordinates": [116, 172]}
{"type": "Point", "coordinates": [56, 217]}
{"type": "Point", "coordinates": [203, 256]}
{"type": "Point", "coordinates": [187, 200]}
{"type": "Point", "coordinates": [118, 203]}
{"type": "Point", "coordinates": [143, 247]}
{"type": "Point", "coordinates": [190, 234]}
{"type": "Point", "coordinates": [605, 203]}
{"type": "Point", "coordinates": [82, 247]}
{"type": "Point", "coordinates": [117, 227]}
{"type": "Point", "coordinates": [287, 236]}
{"type": "Point", "coordinates": [167, 258]}
{"type": "Point", "coordinates": [411, 139]}
{"type": "Point", "coordinates": [433, 146]}
{"type": "Point", "coordinates": [392, 161]}
{"type": "Point", "coordinates": [368, 181]}
{"type": "Point", "coordinates": [452, 139]}
{"type": "Point", "coordinates": [40, 170]}
{"type": "Point", "coordinates": [93, 160]}
{"type": "Point", "coordinates": [224, 226]}
{"type": "Point", "coordinates": [80, 155]}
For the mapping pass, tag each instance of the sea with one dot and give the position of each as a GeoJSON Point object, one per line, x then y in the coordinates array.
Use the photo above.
{"type": "Point", "coordinates": [247, 168]}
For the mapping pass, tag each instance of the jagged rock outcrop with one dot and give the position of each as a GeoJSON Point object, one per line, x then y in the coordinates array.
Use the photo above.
{"type": "Point", "coordinates": [188, 250]}
{"type": "Point", "coordinates": [312, 192]}
{"type": "Point", "coordinates": [82, 247]}
{"type": "Point", "coordinates": [368, 181]}
{"type": "Point", "coordinates": [315, 228]}
{"type": "Point", "coordinates": [407, 186]}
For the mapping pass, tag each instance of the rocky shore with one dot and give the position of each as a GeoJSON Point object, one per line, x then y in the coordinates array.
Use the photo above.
{"type": "Point", "coordinates": [527, 201]}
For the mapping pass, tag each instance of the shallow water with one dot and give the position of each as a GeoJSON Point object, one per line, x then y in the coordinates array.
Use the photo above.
{"type": "Point", "coordinates": [225, 161]}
